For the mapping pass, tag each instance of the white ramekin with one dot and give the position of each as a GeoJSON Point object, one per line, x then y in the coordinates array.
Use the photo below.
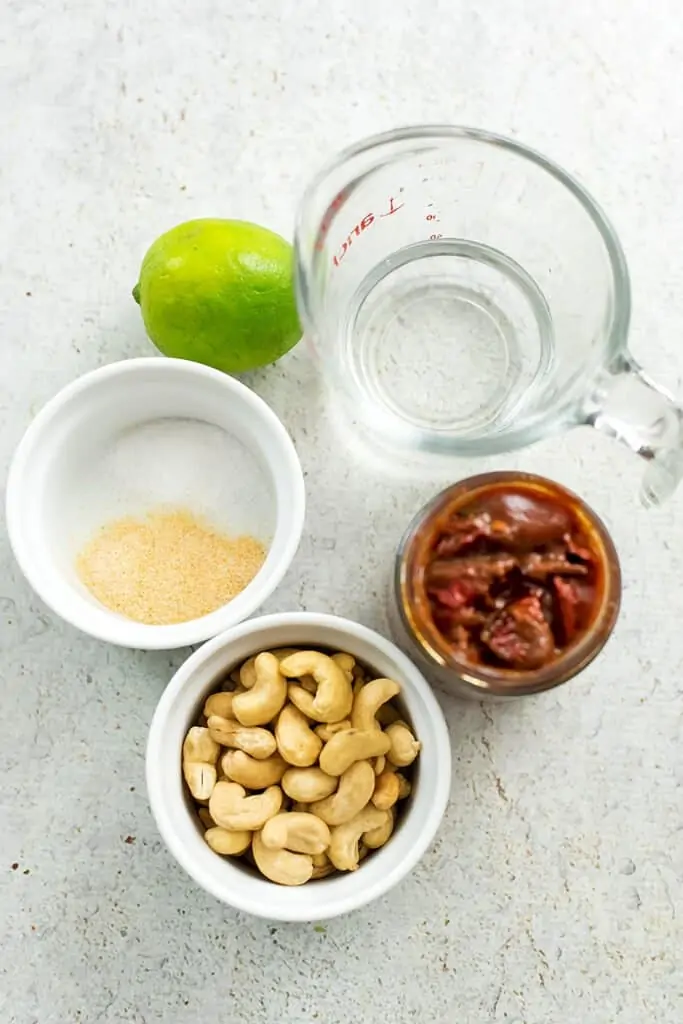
{"type": "Point", "coordinates": [81, 420]}
{"type": "Point", "coordinates": [233, 882]}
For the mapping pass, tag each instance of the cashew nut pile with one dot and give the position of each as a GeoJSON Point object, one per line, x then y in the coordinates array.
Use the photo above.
{"type": "Point", "coordinates": [298, 768]}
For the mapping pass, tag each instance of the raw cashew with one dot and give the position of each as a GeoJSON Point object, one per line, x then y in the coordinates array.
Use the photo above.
{"type": "Point", "coordinates": [387, 790]}
{"type": "Point", "coordinates": [231, 808]}
{"type": "Point", "coordinates": [380, 764]}
{"type": "Point", "coordinates": [302, 833]}
{"type": "Point", "coordinates": [247, 673]}
{"type": "Point", "coordinates": [346, 663]}
{"type": "Point", "coordinates": [281, 866]}
{"type": "Point", "coordinates": [377, 837]}
{"type": "Point", "coordinates": [284, 652]}
{"type": "Point", "coordinates": [342, 750]}
{"type": "Point", "coordinates": [356, 787]}
{"type": "Point", "coordinates": [251, 773]}
{"type": "Point", "coordinates": [308, 784]}
{"type": "Point", "coordinates": [302, 699]}
{"type": "Point", "coordinates": [200, 747]}
{"type": "Point", "coordinates": [227, 843]}
{"type": "Point", "coordinates": [327, 730]}
{"type": "Point", "coordinates": [296, 741]}
{"type": "Point", "coordinates": [343, 849]}
{"type": "Point", "coordinates": [263, 701]}
{"type": "Point", "coordinates": [200, 778]}
{"type": "Point", "coordinates": [322, 867]}
{"type": "Point", "coordinates": [219, 704]}
{"type": "Point", "coordinates": [333, 698]}
{"type": "Point", "coordinates": [259, 743]}
{"type": "Point", "coordinates": [404, 787]}
{"type": "Point", "coordinates": [404, 747]}
{"type": "Point", "coordinates": [369, 700]}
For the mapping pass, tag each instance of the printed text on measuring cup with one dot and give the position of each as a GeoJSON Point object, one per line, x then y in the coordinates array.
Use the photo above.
{"type": "Point", "coordinates": [363, 225]}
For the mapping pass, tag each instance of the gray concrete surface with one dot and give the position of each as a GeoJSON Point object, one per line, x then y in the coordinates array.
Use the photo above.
{"type": "Point", "coordinates": [553, 892]}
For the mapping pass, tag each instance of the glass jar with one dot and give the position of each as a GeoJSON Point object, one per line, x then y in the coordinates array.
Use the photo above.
{"type": "Point", "coordinates": [411, 616]}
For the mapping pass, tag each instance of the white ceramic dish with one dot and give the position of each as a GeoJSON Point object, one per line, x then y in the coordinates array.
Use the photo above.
{"type": "Point", "coordinates": [231, 881]}
{"type": "Point", "coordinates": [134, 436]}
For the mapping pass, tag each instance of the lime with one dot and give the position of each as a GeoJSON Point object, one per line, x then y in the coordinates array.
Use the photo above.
{"type": "Point", "coordinates": [220, 292]}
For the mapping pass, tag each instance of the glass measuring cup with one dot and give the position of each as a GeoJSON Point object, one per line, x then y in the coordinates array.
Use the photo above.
{"type": "Point", "coordinates": [467, 296]}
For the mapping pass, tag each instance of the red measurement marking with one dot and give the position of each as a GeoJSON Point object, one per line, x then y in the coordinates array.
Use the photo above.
{"type": "Point", "coordinates": [392, 209]}
{"type": "Point", "coordinates": [367, 220]}
{"type": "Point", "coordinates": [433, 238]}
{"type": "Point", "coordinates": [328, 218]}
{"type": "Point", "coordinates": [357, 231]}
{"type": "Point", "coordinates": [431, 216]}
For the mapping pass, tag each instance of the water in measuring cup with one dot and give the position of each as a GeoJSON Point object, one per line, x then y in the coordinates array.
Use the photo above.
{"type": "Point", "coordinates": [448, 336]}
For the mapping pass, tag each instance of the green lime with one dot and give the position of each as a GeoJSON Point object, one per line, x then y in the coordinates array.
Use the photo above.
{"type": "Point", "coordinates": [220, 292]}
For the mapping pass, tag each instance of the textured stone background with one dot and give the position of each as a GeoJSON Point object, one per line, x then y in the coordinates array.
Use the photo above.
{"type": "Point", "coordinates": [553, 892]}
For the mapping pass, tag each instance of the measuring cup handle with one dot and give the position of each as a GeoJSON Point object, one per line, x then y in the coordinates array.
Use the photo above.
{"type": "Point", "coordinates": [629, 405]}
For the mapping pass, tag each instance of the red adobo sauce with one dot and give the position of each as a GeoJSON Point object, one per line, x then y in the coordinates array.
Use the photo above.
{"type": "Point", "coordinates": [510, 576]}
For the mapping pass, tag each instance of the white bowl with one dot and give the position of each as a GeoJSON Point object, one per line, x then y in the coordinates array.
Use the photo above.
{"type": "Point", "coordinates": [230, 880]}
{"type": "Point", "coordinates": [134, 436]}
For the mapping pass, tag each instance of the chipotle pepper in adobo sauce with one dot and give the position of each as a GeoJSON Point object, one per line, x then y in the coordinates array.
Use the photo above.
{"type": "Point", "coordinates": [511, 575]}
